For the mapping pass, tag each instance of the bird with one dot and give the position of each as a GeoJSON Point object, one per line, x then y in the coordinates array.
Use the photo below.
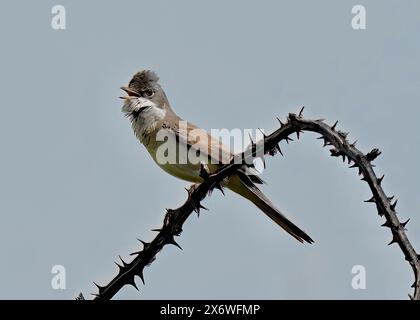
{"type": "Point", "coordinates": [155, 123]}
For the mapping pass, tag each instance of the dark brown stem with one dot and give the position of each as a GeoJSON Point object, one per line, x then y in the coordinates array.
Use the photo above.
{"type": "Point", "coordinates": [340, 147]}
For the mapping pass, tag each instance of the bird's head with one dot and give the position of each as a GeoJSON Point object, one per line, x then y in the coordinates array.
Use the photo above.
{"type": "Point", "coordinates": [144, 94]}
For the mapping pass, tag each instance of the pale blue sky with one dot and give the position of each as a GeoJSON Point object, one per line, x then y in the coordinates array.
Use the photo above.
{"type": "Point", "coordinates": [77, 189]}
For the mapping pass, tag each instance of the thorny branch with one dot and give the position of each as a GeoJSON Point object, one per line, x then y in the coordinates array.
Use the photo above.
{"type": "Point", "coordinates": [340, 147]}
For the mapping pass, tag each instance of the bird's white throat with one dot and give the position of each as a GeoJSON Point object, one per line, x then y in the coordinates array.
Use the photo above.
{"type": "Point", "coordinates": [149, 116]}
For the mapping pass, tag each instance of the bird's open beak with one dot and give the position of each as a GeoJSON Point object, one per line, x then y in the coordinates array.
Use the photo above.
{"type": "Point", "coordinates": [130, 92]}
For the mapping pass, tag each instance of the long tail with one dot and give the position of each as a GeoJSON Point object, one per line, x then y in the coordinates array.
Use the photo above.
{"type": "Point", "coordinates": [246, 188]}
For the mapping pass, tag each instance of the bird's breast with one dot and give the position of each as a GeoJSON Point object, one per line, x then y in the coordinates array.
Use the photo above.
{"type": "Point", "coordinates": [147, 122]}
{"type": "Point", "coordinates": [171, 156]}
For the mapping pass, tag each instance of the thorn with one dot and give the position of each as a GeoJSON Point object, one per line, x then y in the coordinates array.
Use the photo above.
{"type": "Point", "coordinates": [350, 160]}
{"type": "Point", "coordinates": [353, 144]}
{"type": "Point", "coordinates": [172, 241]}
{"type": "Point", "coordinates": [301, 112]}
{"type": "Point", "coordinates": [390, 198]}
{"type": "Point", "coordinates": [379, 180]}
{"type": "Point", "coordinates": [393, 205]}
{"type": "Point", "coordinates": [263, 133]}
{"type": "Point", "coordinates": [219, 187]}
{"type": "Point", "coordinates": [411, 297]}
{"type": "Point", "coordinates": [141, 276]}
{"type": "Point", "coordinates": [298, 131]}
{"type": "Point", "coordinates": [197, 207]}
{"type": "Point", "coordinates": [321, 137]}
{"type": "Point", "coordinates": [394, 239]}
{"type": "Point", "coordinates": [320, 120]}
{"type": "Point", "coordinates": [386, 224]}
{"type": "Point", "coordinates": [278, 149]}
{"type": "Point", "coordinates": [145, 244]}
{"type": "Point", "coordinates": [133, 283]}
{"type": "Point", "coordinates": [360, 172]}
{"type": "Point", "coordinates": [364, 178]}
{"type": "Point", "coordinates": [413, 285]}
{"type": "Point", "coordinates": [156, 230]}
{"type": "Point", "coordinates": [123, 262]}
{"type": "Point", "coordinates": [403, 224]}
{"type": "Point", "coordinates": [280, 122]}
{"type": "Point", "coordinates": [100, 289]}
{"type": "Point", "coordinates": [371, 200]}
{"type": "Point", "coordinates": [343, 134]}
{"type": "Point", "coordinates": [354, 165]}
{"type": "Point", "coordinates": [136, 252]}
{"type": "Point", "coordinates": [288, 139]}
{"type": "Point", "coordinates": [334, 125]}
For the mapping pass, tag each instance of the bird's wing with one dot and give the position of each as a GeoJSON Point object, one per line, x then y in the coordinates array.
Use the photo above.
{"type": "Point", "coordinates": [198, 139]}
{"type": "Point", "coordinates": [211, 148]}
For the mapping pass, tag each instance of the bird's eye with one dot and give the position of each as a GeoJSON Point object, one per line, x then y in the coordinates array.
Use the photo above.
{"type": "Point", "coordinates": [149, 93]}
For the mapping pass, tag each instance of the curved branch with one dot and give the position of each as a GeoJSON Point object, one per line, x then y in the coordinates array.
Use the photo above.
{"type": "Point", "coordinates": [175, 218]}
